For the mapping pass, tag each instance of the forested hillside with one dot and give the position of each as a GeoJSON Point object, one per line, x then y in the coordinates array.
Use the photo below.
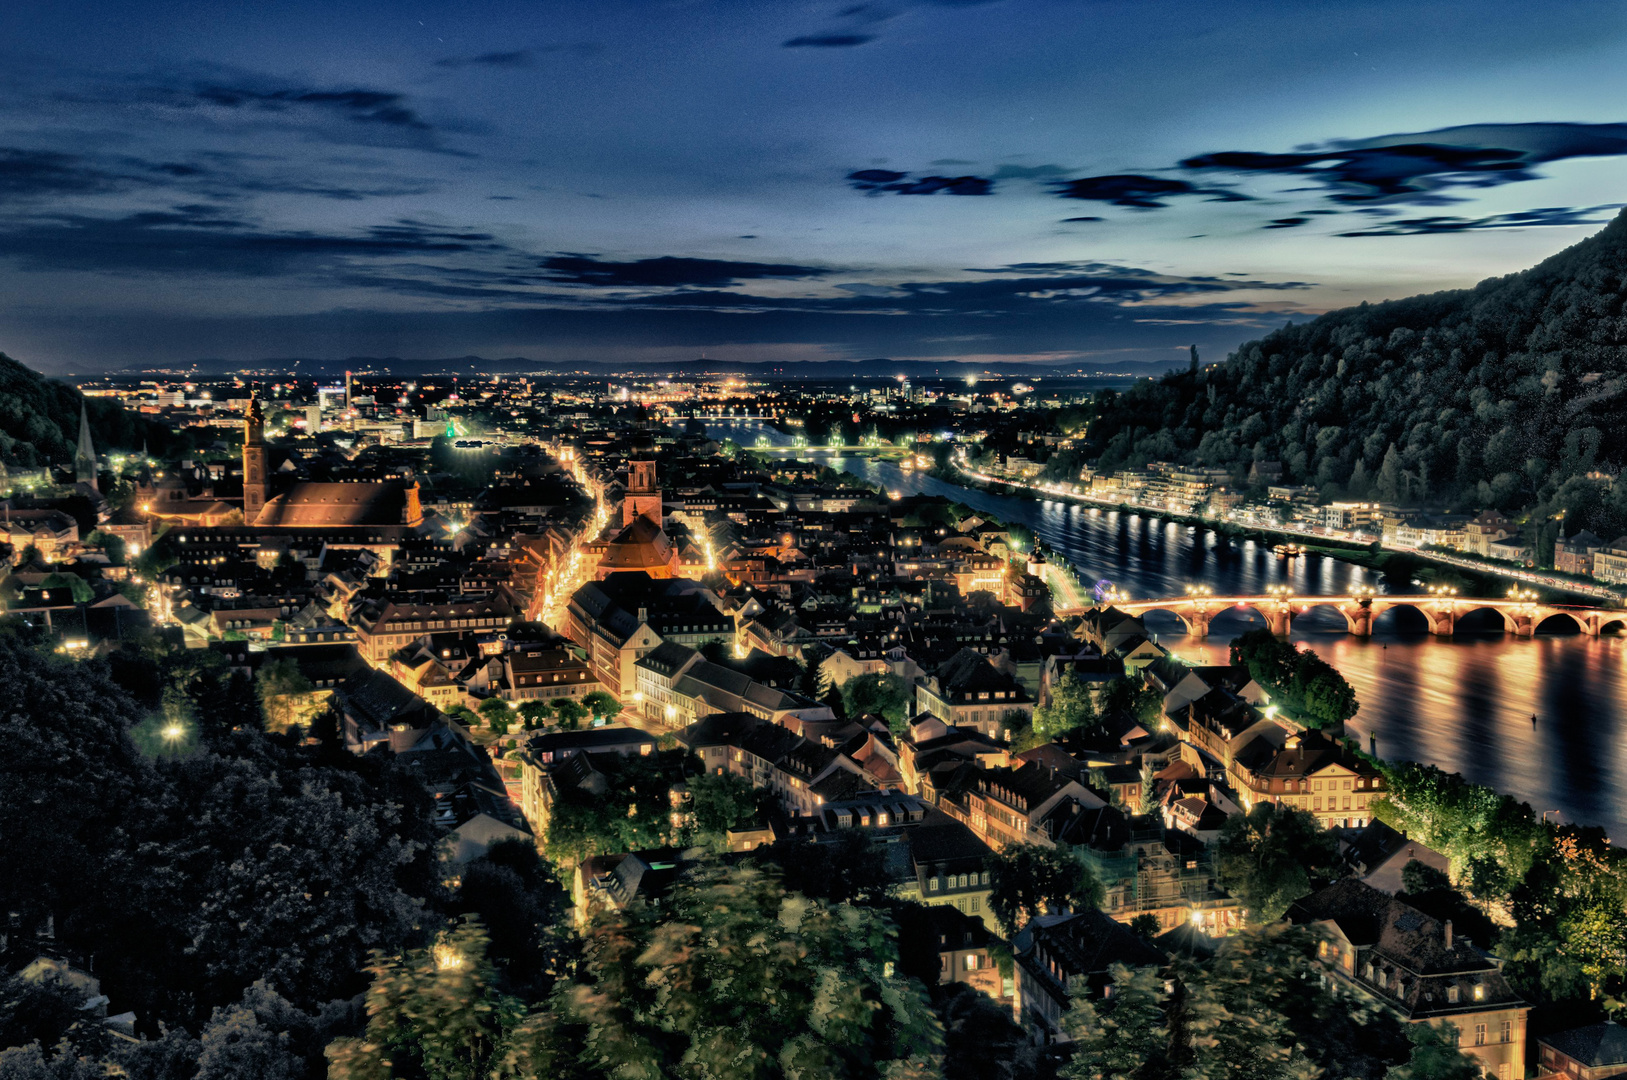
{"type": "Point", "coordinates": [39, 420]}
{"type": "Point", "coordinates": [1509, 394]}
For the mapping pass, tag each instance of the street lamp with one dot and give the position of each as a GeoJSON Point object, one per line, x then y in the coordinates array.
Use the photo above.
{"type": "Point", "coordinates": [173, 731]}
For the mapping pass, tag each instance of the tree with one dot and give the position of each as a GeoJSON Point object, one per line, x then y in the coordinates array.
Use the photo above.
{"type": "Point", "coordinates": [520, 905]}
{"type": "Point", "coordinates": [1146, 925]}
{"type": "Point", "coordinates": [719, 802]}
{"type": "Point", "coordinates": [1271, 856]}
{"type": "Point", "coordinates": [880, 694]}
{"type": "Point", "coordinates": [1123, 1038]}
{"type": "Point", "coordinates": [189, 878]}
{"type": "Point", "coordinates": [535, 714]}
{"type": "Point", "coordinates": [1435, 1056]}
{"type": "Point", "coordinates": [1071, 708]}
{"type": "Point", "coordinates": [570, 714]}
{"type": "Point", "coordinates": [496, 712]}
{"type": "Point", "coordinates": [1027, 880]}
{"type": "Point", "coordinates": [1147, 803]}
{"type": "Point", "coordinates": [433, 1012]}
{"type": "Point", "coordinates": [601, 705]}
{"type": "Point", "coordinates": [1302, 680]}
{"type": "Point", "coordinates": [981, 1042]}
{"type": "Point", "coordinates": [283, 692]}
{"type": "Point", "coordinates": [809, 991]}
{"type": "Point", "coordinates": [632, 812]}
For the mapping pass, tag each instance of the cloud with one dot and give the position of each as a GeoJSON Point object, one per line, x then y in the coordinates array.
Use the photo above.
{"type": "Point", "coordinates": [1287, 223]}
{"type": "Point", "coordinates": [666, 271]}
{"type": "Point", "coordinates": [192, 239]}
{"type": "Point", "coordinates": [1138, 192]}
{"type": "Point", "coordinates": [1029, 172]}
{"type": "Point", "coordinates": [357, 105]}
{"type": "Point", "coordinates": [828, 41]}
{"type": "Point", "coordinates": [1421, 168]}
{"type": "Point", "coordinates": [886, 181]}
{"type": "Point", "coordinates": [1542, 217]}
{"type": "Point", "coordinates": [517, 58]}
{"type": "Point", "coordinates": [28, 173]}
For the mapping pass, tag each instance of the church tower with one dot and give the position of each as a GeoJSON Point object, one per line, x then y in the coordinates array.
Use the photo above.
{"type": "Point", "coordinates": [254, 461]}
{"type": "Point", "coordinates": [84, 459]}
{"type": "Point", "coordinates": [643, 493]}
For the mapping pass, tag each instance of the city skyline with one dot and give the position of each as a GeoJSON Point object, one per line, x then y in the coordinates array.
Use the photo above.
{"type": "Point", "coordinates": [998, 182]}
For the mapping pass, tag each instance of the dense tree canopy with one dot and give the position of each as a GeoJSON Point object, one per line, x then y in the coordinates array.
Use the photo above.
{"type": "Point", "coordinates": [1504, 395]}
{"type": "Point", "coordinates": [192, 876]}
{"type": "Point", "coordinates": [1302, 682]}
{"type": "Point", "coordinates": [1027, 880]}
{"type": "Point", "coordinates": [1272, 856]}
{"type": "Point", "coordinates": [880, 694]}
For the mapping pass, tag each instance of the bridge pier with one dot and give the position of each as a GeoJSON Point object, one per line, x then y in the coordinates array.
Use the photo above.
{"type": "Point", "coordinates": [1359, 619]}
{"type": "Point", "coordinates": [1279, 620]}
{"type": "Point", "coordinates": [1442, 623]}
{"type": "Point", "coordinates": [1197, 625]}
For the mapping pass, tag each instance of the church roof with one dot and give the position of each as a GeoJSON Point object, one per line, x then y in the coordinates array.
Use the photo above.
{"type": "Point", "coordinates": [314, 505]}
{"type": "Point", "coordinates": [640, 546]}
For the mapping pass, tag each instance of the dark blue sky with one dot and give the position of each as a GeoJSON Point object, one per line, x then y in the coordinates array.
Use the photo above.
{"type": "Point", "coordinates": [1018, 180]}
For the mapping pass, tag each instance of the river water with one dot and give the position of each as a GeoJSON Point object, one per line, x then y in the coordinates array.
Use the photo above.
{"type": "Point", "coordinates": [1464, 703]}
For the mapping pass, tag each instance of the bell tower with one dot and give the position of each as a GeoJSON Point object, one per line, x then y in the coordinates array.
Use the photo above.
{"type": "Point", "coordinates": [254, 461]}
{"type": "Point", "coordinates": [643, 493]}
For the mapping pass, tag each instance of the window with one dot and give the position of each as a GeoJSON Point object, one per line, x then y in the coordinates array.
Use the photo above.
{"type": "Point", "coordinates": [1452, 994]}
{"type": "Point", "coordinates": [1505, 1071]}
{"type": "Point", "coordinates": [933, 887]}
{"type": "Point", "coordinates": [1479, 992]}
{"type": "Point", "coordinates": [977, 908]}
{"type": "Point", "coordinates": [971, 962]}
{"type": "Point", "coordinates": [1347, 785]}
{"type": "Point", "coordinates": [1480, 1034]}
{"type": "Point", "coordinates": [1319, 788]}
{"type": "Point", "coordinates": [1507, 1032]}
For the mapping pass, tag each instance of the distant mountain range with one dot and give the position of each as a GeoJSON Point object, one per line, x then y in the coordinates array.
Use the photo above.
{"type": "Point", "coordinates": [472, 365]}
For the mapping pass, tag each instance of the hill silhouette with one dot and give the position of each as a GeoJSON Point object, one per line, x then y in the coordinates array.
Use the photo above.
{"type": "Point", "coordinates": [1507, 395]}
{"type": "Point", "coordinates": [39, 420]}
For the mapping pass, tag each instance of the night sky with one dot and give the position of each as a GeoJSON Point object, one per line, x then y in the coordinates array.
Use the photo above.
{"type": "Point", "coordinates": [1069, 182]}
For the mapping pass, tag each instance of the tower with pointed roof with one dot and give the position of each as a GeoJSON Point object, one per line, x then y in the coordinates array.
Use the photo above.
{"type": "Point", "coordinates": [254, 461]}
{"type": "Point", "coordinates": [643, 498]}
{"type": "Point", "coordinates": [84, 459]}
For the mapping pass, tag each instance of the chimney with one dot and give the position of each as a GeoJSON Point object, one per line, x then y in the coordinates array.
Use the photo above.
{"type": "Point", "coordinates": [1448, 933]}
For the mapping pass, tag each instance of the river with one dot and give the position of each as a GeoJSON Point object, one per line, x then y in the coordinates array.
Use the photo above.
{"type": "Point", "coordinates": [1464, 703]}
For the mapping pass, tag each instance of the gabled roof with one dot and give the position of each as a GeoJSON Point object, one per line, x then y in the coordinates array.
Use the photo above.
{"type": "Point", "coordinates": [1595, 1046]}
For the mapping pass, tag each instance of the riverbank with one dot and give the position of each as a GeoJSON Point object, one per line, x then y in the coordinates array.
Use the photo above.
{"type": "Point", "coordinates": [1408, 564]}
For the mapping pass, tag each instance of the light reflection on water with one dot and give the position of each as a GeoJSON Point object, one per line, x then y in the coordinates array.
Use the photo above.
{"type": "Point", "coordinates": [1463, 703]}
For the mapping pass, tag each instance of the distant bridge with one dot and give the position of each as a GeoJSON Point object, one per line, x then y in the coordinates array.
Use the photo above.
{"type": "Point", "coordinates": [1520, 616]}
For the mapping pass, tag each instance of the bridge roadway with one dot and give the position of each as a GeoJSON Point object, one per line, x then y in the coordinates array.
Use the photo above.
{"type": "Point", "coordinates": [1520, 617]}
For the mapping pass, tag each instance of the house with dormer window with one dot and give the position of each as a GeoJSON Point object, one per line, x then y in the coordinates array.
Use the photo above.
{"type": "Point", "coordinates": [1417, 967]}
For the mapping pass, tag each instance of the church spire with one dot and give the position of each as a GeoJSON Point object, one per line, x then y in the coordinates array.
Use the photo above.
{"type": "Point", "coordinates": [84, 459]}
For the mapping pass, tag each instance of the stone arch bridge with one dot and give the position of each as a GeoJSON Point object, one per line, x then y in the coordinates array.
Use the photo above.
{"type": "Point", "coordinates": [1519, 617]}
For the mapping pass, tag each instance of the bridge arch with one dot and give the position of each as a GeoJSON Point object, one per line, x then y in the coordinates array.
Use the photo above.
{"type": "Point", "coordinates": [1172, 608]}
{"type": "Point", "coordinates": [1503, 617]}
{"type": "Point", "coordinates": [1542, 620]}
{"type": "Point", "coordinates": [1336, 606]}
{"type": "Point", "coordinates": [1380, 609]}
